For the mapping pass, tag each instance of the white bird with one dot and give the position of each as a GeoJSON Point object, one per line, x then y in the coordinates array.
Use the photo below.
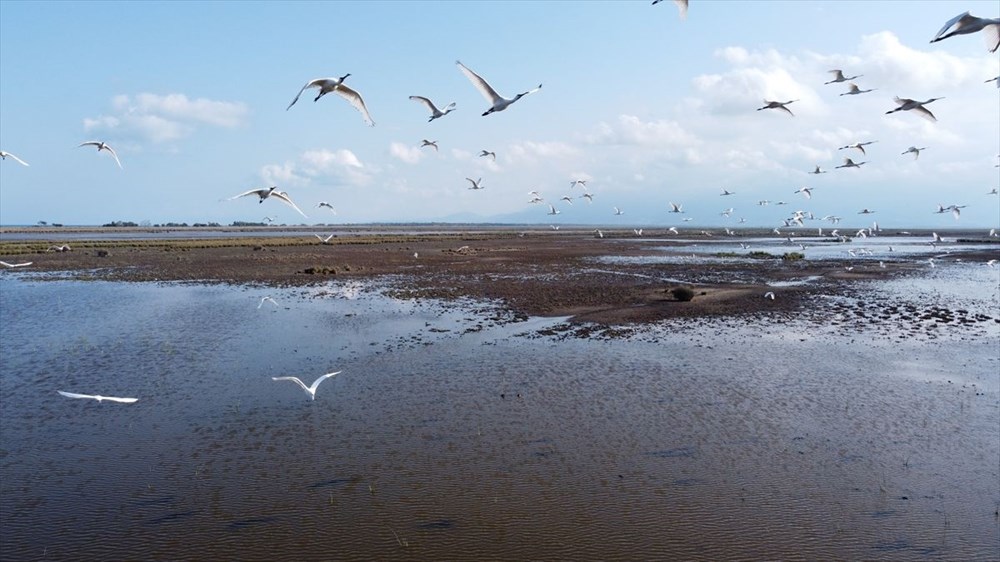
{"type": "Point", "coordinates": [818, 170]}
{"type": "Point", "coordinates": [807, 191]}
{"type": "Point", "coordinates": [268, 220]}
{"type": "Point", "coordinates": [931, 261]}
{"type": "Point", "coordinates": [848, 163]}
{"type": "Point", "coordinates": [858, 145]}
{"type": "Point", "coordinates": [769, 295]}
{"type": "Point", "coordinates": [102, 146]}
{"type": "Point", "coordinates": [324, 240]}
{"type": "Point", "coordinates": [567, 199]}
{"type": "Point", "coordinates": [98, 397]}
{"type": "Point", "coordinates": [727, 192]}
{"type": "Point", "coordinates": [673, 230]}
{"type": "Point", "coordinates": [266, 192]}
{"type": "Point", "coordinates": [838, 76]}
{"type": "Point", "coordinates": [618, 211]}
{"type": "Point", "coordinates": [492, 155]}
{"type": "Point", "coordinates": [865, 211]}
{"type": "Point", "coordinates": [327, 205]}
{"type": "Point", "coordinates": [63, 248]}
{"type": "Point", "coordinates": [853, 90]}
{"type": "Point", "coordinates": [553, 210]}
{"type": "Point", "coordinates": [964, 23]}
{"type": "Point", "coordinates": [4, 155]}
{"type": "Point", "coordinates": [435, 112]}
{"type": "Point", "coordinates": [637, 231]}
{"type": "Point", "coordinates": [906, 104]}
{"type": "Point", "coordinates": [476, 184]}
{"type": "Point", "coordinates": [937, 237]}
{"type": "Point", "coordinates": [266, 299]}
{"type": "Point", "coordinates": [588, 197]}
{"type": "Point", "coordinates": [599, 233]}
{"type": "Point", "coordinates": [499, 102]}
{"type": "Point", "coordinates": [992, 264]}
{"type": "Point", "coordinates": [914, 150]}
{"type": "Point", "coordinates": [13, 265]}
{"type": "Point", "coordinates": [432, 144]}
{"type": "Point", "coordinates": [675, 208]}
{"type": "Point", "coordinates": [336, 85]}
{"type": "Point", "coordinates": [309, 389]}
{"type": "Point", "coordinates": [574, 183]}
{"type": "Point", "coordinates": [778, 105]}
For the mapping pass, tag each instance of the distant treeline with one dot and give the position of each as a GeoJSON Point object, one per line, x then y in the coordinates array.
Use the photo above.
{"type": "Point", "coordinates": [118, 224]}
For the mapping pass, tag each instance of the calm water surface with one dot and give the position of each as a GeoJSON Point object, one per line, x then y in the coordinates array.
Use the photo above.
{"type": "Point", "coordinates": [457, 432]}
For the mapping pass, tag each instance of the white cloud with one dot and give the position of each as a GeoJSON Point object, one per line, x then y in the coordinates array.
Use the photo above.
{"type": "Point", "coordinates": [408, 154]}
{"type": "Point", "coordinates": [529, 151]}
{"type": "Point", "coordinates": [630, 130]}
{"type": "Point", "coordinates": [321, 166]}
{"type": "Point", "coordinates": [165, 118]}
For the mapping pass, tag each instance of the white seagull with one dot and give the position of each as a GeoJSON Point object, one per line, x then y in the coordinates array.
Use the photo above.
{"type": "Point", "coordinates": [98, 397]}
{"type": "Point", "coordinates": [102, 146]}
{"type": "Point", "coordinates": [838, 76]}
{"type": "Point", "coordinates": [906, 104]}
{"type": "Point", "coordinates": [807, 191]}
{"type": "Point", "coordinates": [432, 144]}
{"type": "Point", "coordinates": [777, 105]}
{"type": "Point", "coordinates": [266, 192]}
{"type": "Point", "coordinates": [4, 155]}
{"type": "Point", "coordinates": [309, 389]}
{"type": "Point", "coordinates": [476, 184]}
{"type": "Point", "coordinates": [13, 265]}
{"type": "Point", "coordinates": [580, 182]}
{"type": "Point", "coordinates": [435, 112]}
{"type": "Point", "coordinates": [914, 150]}
{"type": "Point", "coordinates": [327, 205]}
{"type": "Point", "coordinates": [853, 90]}
{"type": "Point", "coordinates": [327, 85]}
{"type": "Point", "coordinates": [964, 23]}
{"type": "Point", "coordinates": [499, 102]}
{"type": "Point", "coordinates": [266, 299]}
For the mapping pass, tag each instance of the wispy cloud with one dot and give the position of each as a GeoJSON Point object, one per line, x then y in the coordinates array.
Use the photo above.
{"type": "Point", "coordinates": [165, 118]}
{"type": "Point", "coordinates": [320, 166]}
{"type": "Point", "coordinates": [408, 154]}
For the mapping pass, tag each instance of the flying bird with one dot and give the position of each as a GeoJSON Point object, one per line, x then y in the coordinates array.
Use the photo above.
{"type": "Point", "coordinates": [336, 85]}
{"type": "Point", "coordinates": [777, 105]}
{"type": "Point", "coordinates": [476, 184]}
{"type": "Point", "coordinates": [327, 205]}
{"type": "Point", "coordinates": [865, 211]}
{"type": "Point", "coordinates": [858, 145]}
{"type": "Point", "coordinates": [727, 192]}
{"type": "Point", "coordinates": [311, 390]}
{"type": "Point", "coordinates": [432, 144]}
{"type": "Point", "coordinates": [574, 183]}
{"type": "Point", "coordinates": [769, 295]}
{"type": "Point", "coordinates": [499, 102]}
{"type": "Point", "coordinates": [102, 146]}
{"type": "Point", "coordinates": [322, 240]}
{"type": "Point", "coordinates": [267, 299]}
{"type": "Point", "coordinates": [13, 265]}
{"type": "Point", "coordinates": [619, 211]}
{"type": "Point", "coordinates": [553, 210]}
{"type": "Point", "coordinates": [853, 90]}
{"type": "Point", "coordinates": [838, 76]}
{"type": "Point", "coordinates": [483, 153]}
{"type": "Point", "coordinates": [848, 163]}
{"type": "Point", "coordinates": [266, 192]}
{"type": "Point", "coordinates": [435, 112]}
{"type": "Point", "coordinates": [4, 155]}
{"type": "Point", "coordinates": [906, 104]}
{"type": "Point", "coordinates": [818, 170]}
{"type": "Point", "coordinates": [964, 23]}
{"type": "Point", "coordinates": [914, 150]}
{"type": "Point", "coordinates": [807, 191]}
{"type": "Point", "coordinates": [675, 208]}
{"type": "Point", "coordinates": [98, 397]}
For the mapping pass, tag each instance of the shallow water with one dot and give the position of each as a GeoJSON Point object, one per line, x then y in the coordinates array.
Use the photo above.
{"type": "Point", "coordinates": [457, 431]}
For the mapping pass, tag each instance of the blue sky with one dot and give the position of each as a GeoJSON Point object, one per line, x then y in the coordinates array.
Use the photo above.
{"type": "Point", "coordinates": [649, 108]}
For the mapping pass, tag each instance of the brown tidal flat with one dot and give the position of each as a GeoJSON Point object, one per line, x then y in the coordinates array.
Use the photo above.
{"type": "Point", "coordinates": [534, 272]}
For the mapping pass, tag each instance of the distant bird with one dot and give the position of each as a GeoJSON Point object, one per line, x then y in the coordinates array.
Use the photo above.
{"type": "Point", "coordinates": [807, 191]}
{"type": "Point", "coordinates": [906, 104]}
{"type": "Point", "coordinates": [4, 155]}
{"type": "Point", "coordinates": [553, 210]}
{"type": "Point", "coordinates": [98, 397]}
{"type": "Point", "coordinates": [268, 220]}
{"type": "Point", "coordinates": [102, 146]}
{"type": "Point", "coordinates": [994, 79]}
{"type": "Point", "coordinates": [499, 102]}
{"type": "Point", "coordinates": [476, 184]}
{"type": "Point", "coordinates": [311, 390]}
{"type": "Point", "coordinates": [848, 163]}
{"type": "Point", "coordinates": [435, 112]}
{"type": "Point", "coordinates": [267, 299]}
{"type": "Point", "coordinates": [432, 144]}
{"type": "Point", "coordinates": [992, 192]}
{"type": "Point", "coordinates": [853, 90]}
{"type": "Point", "coordinates": [13, 265]}
{"type": "Point", "coordinates": [323, 240]}
{"type": "Point", "coordinates": [727, 192]}
{"type": "Point", "coordinates": [914, 150]}
{"type": "Point", "coordinates": [769, 295]}
{"type": "Point", "coordinates": [777, 105]}
{"type": "Point", "coordinates": [599, 233]}
{"type": "Point", "coordinates": [865, 211]}
{"type": "Point", "coordinates": [336, 85]}
{"type": "Point", "coordinates": [937, 238]}
{"type": "Point", "coordinates": [618, 211]}
{"type": "Point", "coordinates": [992, 264]}
{"type": "Point", "coordinates": [964, 23]}
{"type": "Point", "coordinates": [682, 7]}
{"type": "Point", "coordinates": [675, 208]}
{"type": "Point", "coordinates": [673, 230]}
{"type": "Point", "coordinates": [588, 197]}
{"type": "Point", "coordinates": [637, 231]}
{"type": "Point", "coordinates": [484, 153]}
{"type": "Point", "coordinates": [266, 192]}
{"type": "Point", "coordinates": [567, 199]}
{"type": "Point", "coordinates": [818, 171]}
{"type": "Point", "coordinates": [327, 205]}
{"type": "Point", "coordinates": [838, 76]}
{"type": "Point", "coordinates": [574, 183]}
{"type": "Point", "coordinates": [63, 248]}
{"type": "Point", "coordinates": [858, 145]}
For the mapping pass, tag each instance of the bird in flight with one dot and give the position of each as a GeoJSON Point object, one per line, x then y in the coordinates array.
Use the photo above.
{"type": "Point", "coordinates": [327, 85]}
{"type": "Point", "coordinates": [311, 390]}
{"type": "Point", "coordinates": [676, 208]}
{"type": "Point", "coordinates": [853, 90]}
{"type": "Point", "coordinates": [103, 146]}
{"type": "Point", "coordinates": [432, 144]}
{"type": "Point", "coordinates": [327, 205]}
{"type": "Point", "coordinates": [435, 112]}
{"type": "Point", "coordinates": [483, 153]}
{"type": "Point", "coordinates": [838, 76]}
{"type": "Point", "coordinates": [4, 155]}
{"type": "Point", "coordinates": [777, 105]}
{"type": "Point", "coordinates": [476, 184]}
{"type": "Point", "coordinates": [858, 145]}
{"type": "Point", "coordinates": [266, 192]}
{"type": "Point", "coordinates": [848, 163]}
{"type": "Point", "coordinates": [727, 192]}
{"type": "Point", "coordinates": [914, 150]}
{"type": "Point", "coordinates": [99, 398]}
{"type": "Point", "coordinates": [266, 299]}
{"type": "Point", "coordinates": [13, 265]}
{"type": "Point", "coordinates": [906, 104]}
{"type": "Point", "coordinates": [818, 170]}
{"type": "Point", "coordinates": [807, 191]}
{"type": "Point", "coordinates": [965, 23]}
{"type": "Point", "coordinates": [499, 103]}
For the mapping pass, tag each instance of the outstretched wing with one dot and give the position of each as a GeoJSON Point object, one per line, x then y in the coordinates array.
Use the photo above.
{"type": "Point", "coordinates": [426, 102]}
{"type": "Point", "coordinates": [951, 23]}
{"type": "Point", "coordinates": [114, 154]}
{"type": "Point", "coordinates": [284, 197]}
{"type": "Point", "coordinates": [120, 400]}
{"type": "Point", "coordinates": [925, 113]}
{"type": "Point", "coordinates": [484, 88]}
{"type": "Point", "coordinates": [245, 193]}
{"type": "Point", "coordinates": [16, 159]}
{"type": "Point", "coordinates": [308, 85]}
{"type": "Point", "coordinates": [293, 379]}
{"type": "Point", "coordinates": [75, 395]}
{"type": "Point", "coordinates": [355, 100]}
{"type": "Point", "coordinates": [315, 384]}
